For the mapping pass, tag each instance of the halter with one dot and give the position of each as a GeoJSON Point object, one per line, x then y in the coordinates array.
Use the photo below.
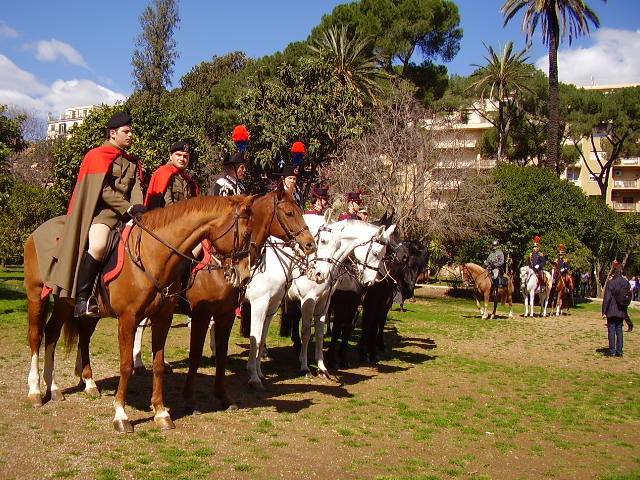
{"type": "Point", "coordinates": [235, 255]}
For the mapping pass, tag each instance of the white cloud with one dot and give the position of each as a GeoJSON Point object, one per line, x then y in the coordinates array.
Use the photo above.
{"type": "Point", "coordinates": [7, 31]}
{"type": "Point", "coordinates": [612, 59]}
{"type": "Point", "coordinates": [52, 50]}
{"type": "Point", "coordinates": [22, 89]}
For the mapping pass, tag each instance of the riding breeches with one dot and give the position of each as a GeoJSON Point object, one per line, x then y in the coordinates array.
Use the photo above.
{"type": "Point", "coordinates": [98, 238]}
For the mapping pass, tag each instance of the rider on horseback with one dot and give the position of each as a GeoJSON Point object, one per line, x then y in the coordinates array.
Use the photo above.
{"type": "Point", "coordinates": [108, 189]}
{"type": "Point", "coordinates": [495, 265]}
{"type": "Point", "coordinates": [537, 262]}
{"type": "Point", "coordinates": [561, 264]}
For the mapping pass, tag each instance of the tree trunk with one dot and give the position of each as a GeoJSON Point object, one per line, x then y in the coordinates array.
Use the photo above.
{"type": "Point", "coordinates": [553, 150]}
{"type": "Point", "coordinates": [501, 133]}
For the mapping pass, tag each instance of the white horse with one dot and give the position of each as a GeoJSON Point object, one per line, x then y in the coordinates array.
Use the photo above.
{"type": "Point", "coordinates": [281, 274]}
{"type": "Point", "coordinates": [529, 284]}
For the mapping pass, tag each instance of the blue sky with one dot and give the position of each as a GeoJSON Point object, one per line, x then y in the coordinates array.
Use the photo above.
{"type": "Point", "coordinates": [79, 51]}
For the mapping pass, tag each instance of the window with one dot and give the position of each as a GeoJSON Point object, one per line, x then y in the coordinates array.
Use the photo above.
{"type": "Point", "coordinates": [53, 128]}
{"type": "Point", "coordinates": [628, 200]}
{"type": "Point", "coordinates": [573, 175]}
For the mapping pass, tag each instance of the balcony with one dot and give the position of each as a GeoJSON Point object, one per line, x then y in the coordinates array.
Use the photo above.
{"type": "Point", "coordinates": [634, 161]}
{"type": "Point", "coordinates": [446, 184]}
{"type": "Point", "coordinates": [625, 207]}
{"type": "Point", "coordinates": [626, 184]}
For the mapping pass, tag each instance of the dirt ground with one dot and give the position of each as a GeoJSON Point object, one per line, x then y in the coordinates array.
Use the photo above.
{"type": "Point", "coordinates": [455, 397]}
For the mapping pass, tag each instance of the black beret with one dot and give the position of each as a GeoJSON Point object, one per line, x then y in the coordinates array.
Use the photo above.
{"type": "Point", "coordinates": [118, 120]}
{"type": "Point", "coordinates": [182, 146]}
{"type": "Point", "coordinates": [288, 170]}
{"type": "Point", "coordinates": [235, 159]}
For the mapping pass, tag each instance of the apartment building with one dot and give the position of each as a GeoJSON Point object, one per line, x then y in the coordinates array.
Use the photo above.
{"type": "Point", "coordinates": [460, 151]}
{"type": "Point", "coordinates": [73, 116]}
{"type": "Point", "coordinates": [623, 190]}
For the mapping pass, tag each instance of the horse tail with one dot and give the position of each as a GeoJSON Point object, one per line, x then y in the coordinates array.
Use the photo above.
{"type": "Point", "coordinates": [245, 320]}
{"type": "Point", "coordinates": [71, 332]}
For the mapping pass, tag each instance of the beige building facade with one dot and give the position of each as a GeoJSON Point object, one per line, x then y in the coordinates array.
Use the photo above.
{"type": "Point", "coordinates": [464, 134]}
{"type": "Point", "coordinates": [72, 117]}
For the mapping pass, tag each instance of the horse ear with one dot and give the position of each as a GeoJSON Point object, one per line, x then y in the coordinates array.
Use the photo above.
{"type": "Point", "coordinates": [247, 203]}
{"type": "Point", "coordinates": [383, 220]}
{"type": "Point", "coordinates": [388, 232]}
{"type": "Point", "coordinates": [280, 189]}
{"type": "Point", "coordinates": [380, 233]}
{"type": "Point", "coordinates": [328, 214]}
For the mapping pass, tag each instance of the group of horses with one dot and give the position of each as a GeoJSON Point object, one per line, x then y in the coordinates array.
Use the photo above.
{"type": "Point", "coordinates": [558, 294]}
{"type": "Point", "coordinates": [264, 250]}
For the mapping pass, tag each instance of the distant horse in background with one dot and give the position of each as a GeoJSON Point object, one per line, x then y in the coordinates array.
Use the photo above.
{"type": "Point", "coordinates": [529, 285]}
{"type": "Point", "coordinates": [478, 277]}
{"type": "Point", "coordinates": [563, 293]}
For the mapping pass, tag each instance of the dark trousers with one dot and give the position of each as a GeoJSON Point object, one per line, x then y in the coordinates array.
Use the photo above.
{"type": "Point", "coordinates": [614, 327]}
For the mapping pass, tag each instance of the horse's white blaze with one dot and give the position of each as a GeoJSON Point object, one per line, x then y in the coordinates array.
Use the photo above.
{"type": "Point", "coordinates": [49, 367]}
{"type": "Point", "coordinates": [34, 376]}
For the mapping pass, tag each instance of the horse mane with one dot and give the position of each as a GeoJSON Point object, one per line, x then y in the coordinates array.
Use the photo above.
{"type": "Point", "coordinates": [161, 217]}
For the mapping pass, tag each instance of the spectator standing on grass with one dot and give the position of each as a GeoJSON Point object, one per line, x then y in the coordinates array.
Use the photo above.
{"type": "Point", "coordinates": [634, 288]}
{"type": "Point", "coordinates": [617, 296]}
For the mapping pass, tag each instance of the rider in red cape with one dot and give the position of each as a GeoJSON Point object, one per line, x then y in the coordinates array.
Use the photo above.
{"type": "Point", "coordinates": [108, 187]}
{"type": "Point", "coordinates": [171, 183]}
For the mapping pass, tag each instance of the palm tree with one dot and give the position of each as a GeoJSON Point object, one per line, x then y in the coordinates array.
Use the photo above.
{"type": "Point", "coordinates": [501, 81]}
{"type": "Point", "coordinates": [351, 63]}
{"type": "Point", "coordinates": [559, 19]}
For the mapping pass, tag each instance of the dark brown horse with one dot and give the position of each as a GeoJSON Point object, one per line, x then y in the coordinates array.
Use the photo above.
{"type": "Point", "coordinates": [478, 277]}
{"type": "Point", "coordinates": [210, 296]}
{"type": "Point", "coordinates": [145, 287]}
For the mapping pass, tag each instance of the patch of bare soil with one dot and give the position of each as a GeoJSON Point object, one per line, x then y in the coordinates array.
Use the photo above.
{"type": "Point", "coordinates": [518, 400]}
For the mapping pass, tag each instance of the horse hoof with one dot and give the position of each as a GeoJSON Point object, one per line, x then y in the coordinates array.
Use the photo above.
{"type": "Point", "coordinates": [256, 384]}
{"type": "Point", "coordinates": [35, 399]}
{"type": "Point", "coordinates": [232, 407]}
{"type": "Point", "coordinates": [306, 374]}
{"type": "Point", "coordinates": [164, 423]}
{"type": "Point", "coordinates": [92, 392]}
{"type": "Point", "coordinates": [122, 426]}
{"type": "Point", "coordinates": [57, 396]}
{"type": "Point", "coordinates": [140, 370]}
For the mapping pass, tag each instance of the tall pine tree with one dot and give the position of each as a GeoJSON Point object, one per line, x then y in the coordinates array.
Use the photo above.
{"type": "Point", "coordinates": [156, 52]}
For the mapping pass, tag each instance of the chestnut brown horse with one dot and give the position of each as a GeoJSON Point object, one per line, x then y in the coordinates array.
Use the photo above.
{"type": "Point", "coordinates": [146, 287]}
{"type": "Point", "coordinates": [478, 277]}
{"type": "Point", "coordinates": [563, 292]}
{"type": "Point", "coordinates": [275, 214]}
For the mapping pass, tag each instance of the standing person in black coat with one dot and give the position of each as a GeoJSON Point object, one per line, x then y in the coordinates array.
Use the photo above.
{"type": "Point", "coordinates": [617, 296]}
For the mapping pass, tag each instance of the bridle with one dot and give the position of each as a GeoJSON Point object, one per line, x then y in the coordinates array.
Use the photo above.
{"type": "Point", "coordinates": [241, 249]}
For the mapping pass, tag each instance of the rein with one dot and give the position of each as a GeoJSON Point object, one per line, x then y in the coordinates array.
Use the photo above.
{"type": "Point", "coordinates": [235, 255]}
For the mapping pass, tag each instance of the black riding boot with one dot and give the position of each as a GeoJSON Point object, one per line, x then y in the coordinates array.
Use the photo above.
{"type": "Point", "coordinates": [86, 279]}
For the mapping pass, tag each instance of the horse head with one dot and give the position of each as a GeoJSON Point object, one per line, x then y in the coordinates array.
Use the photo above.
{"type": "Point", "coordinates": [368, 255]}
{"type": "Point", "coordinates": [328, 242]}
{"type": "Point", "coordinates": [415, 263]}
{"type": "Point", "coordinates": [290, 225]}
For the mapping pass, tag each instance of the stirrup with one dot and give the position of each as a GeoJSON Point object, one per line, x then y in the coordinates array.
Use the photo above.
{"type": "Point", "coordinates": [86, 308]}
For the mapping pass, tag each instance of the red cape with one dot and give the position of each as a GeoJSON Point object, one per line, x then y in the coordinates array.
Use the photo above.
{"type": "Point", "coordinates": [161, 179]}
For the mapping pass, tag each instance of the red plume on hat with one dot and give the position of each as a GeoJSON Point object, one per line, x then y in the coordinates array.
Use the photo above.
{"type": "Point", "coordinates": [298, 147]}
{"type": "Point", "coordinates": [241, 137]}
{"type": "Point", "coordinates": [536, 239]}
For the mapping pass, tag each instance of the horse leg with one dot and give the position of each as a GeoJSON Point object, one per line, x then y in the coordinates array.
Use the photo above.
{"type": "Point", "coordinates": [307, 316]}
{"type": "Point", "coordinates": [212, 337]}
{"type": "Point", "coordinates": [478, 305]}
{"type": "Point", "coordinates": [485, 313]}
{"type": "Point", "coordinates": [223, 325]}
{"type": "Point", "coordinates": [138, 364]}
{"type": "Point", "coordinates": [61, 310]}
{"type": "Point", "coordinates": [199, 326]}
{"type": "Point", "coordinates": [347, 328]}
{"type": "Point", "coordinates": [159, 330]}
{"type": "Point", "coordinates": [127, 325]}
{"type": "Point", "coordinates": [336, 328]}
{"type": "Point", "coordinates": [259, 307]}
{"type": "Point", "coordinates": [532, 302]}
{"type": "Point", "coordinates": [320, 320]}
{"type": "Point", "coordinates": [86, 327]}
{"type": "Point", "coordinates": [36, 310]}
